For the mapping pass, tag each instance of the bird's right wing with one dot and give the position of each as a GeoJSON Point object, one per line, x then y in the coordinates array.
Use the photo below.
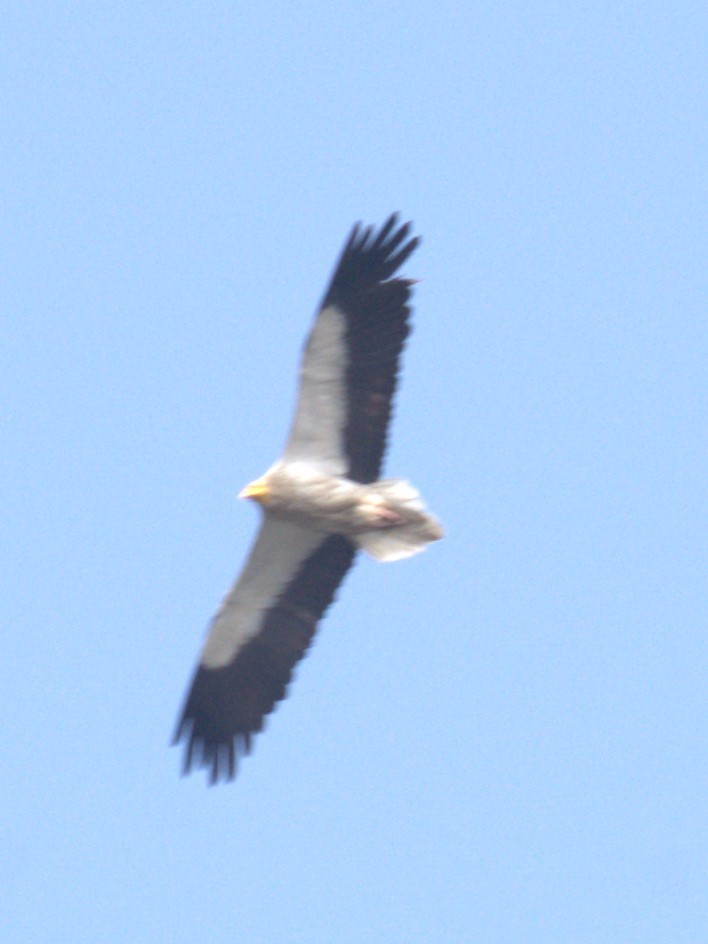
{"type": "Point", "coordinates": [262, 629]}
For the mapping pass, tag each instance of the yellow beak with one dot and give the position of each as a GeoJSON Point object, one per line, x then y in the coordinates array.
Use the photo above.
{"type": "Point", "coordinates": [257, 491]}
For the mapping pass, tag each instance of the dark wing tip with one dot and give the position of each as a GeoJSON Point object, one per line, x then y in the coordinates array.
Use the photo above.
{"type": "Point", "coordinates": [215, 733]}
{"type": "Point", "coordinates": [370, 258]}
{"type": "Point", "coordinates": [218, 757]}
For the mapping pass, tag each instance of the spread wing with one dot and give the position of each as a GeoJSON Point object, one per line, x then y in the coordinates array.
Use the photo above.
{"type": "Point", "coordinates": [349, 368]}
{"type": "Point", "coordinates": [262, 629]}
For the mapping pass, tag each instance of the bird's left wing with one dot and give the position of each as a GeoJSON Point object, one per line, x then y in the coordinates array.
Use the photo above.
{"type": "Point", "coordinates": [262, 629]}
{"type": "Point", "coordinates": [350, 364]}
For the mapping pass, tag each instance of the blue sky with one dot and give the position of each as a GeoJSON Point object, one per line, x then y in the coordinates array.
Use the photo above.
{"type": "Point", "coordinates": [500, 740]}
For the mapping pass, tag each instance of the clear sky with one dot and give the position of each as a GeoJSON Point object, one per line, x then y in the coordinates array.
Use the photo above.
{"type": "Point", "coordinates": [501, 740]}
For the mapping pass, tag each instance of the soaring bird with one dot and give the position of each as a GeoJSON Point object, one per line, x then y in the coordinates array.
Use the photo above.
{"type": "Point", "coordinates": [321, 502]}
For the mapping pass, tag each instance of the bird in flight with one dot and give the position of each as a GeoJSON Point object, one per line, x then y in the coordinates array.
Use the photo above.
{"type": "Point", "coordinates": [321, 502]}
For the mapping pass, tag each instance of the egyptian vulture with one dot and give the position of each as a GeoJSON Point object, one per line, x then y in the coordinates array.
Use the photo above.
{"type": "Point", "coordinates": [321, 501]}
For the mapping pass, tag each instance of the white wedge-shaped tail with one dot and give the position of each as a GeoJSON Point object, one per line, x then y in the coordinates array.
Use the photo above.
{"type": "Point", "coordinates": [415, 530]}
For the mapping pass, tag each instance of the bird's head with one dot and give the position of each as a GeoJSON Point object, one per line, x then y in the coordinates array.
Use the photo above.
{"type": "Point", "coordinates": [257, 491]}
